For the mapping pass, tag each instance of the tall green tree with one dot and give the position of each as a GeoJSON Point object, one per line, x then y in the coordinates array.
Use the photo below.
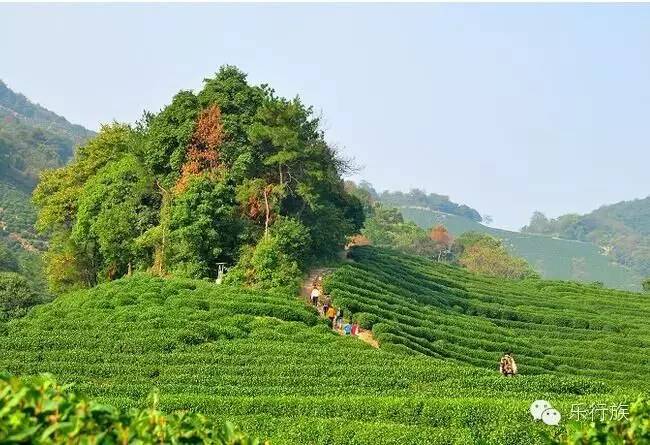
{"type": "Point", "coordinates": [202, 182]}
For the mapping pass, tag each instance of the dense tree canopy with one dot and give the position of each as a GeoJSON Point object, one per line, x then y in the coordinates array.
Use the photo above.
{"type": "Point", "coordinates": [203, 182]}
{"type": "Point", "coordinates": [385, 227]}
{"type": "Point", "coordinates": [486, 255]}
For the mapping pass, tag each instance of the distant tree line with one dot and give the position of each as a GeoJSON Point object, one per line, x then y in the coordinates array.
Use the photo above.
{"type": "Point", "coordinates": [419, 198]}
{"type": "Point", "coordinates": [477, 252]}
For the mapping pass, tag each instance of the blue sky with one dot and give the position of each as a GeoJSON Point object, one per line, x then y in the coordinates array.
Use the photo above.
{"type": "Point", "coordinates": [507, 108]}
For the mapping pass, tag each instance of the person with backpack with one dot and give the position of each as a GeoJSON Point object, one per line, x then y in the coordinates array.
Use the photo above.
{"type": "Point", "coordinates": [315, 295]}
{"type": "Point", "coordinates": [326, 305]}
{"type": "Point", "coordinates": [507, 365]}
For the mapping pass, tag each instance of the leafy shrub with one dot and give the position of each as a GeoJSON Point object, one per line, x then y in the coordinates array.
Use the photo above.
{"type": "Point", "coordinates": [266, 266]}
{"type": "Point", "coordinates": [40, 411]}
{"type": "Point", "coordinates": [16, 295]}
{"type": "Point", "coordinates": [443, 311]}
{"type": "Point", "coordinates": [633, 429]}
{"type": "Point", "coordinates": [8, 261]}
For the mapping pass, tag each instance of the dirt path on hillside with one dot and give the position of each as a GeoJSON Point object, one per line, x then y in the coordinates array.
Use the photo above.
{"type": "Point", "coordinates": [363, 335]}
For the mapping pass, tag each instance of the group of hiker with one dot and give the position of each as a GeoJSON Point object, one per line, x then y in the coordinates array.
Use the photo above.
{"type": "Point", "coordinates": [323, 303]}
{"type": "Point", "coordinates": [335, 315]}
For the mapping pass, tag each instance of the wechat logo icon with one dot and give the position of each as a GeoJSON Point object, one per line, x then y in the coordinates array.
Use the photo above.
{"type": "Point", "coordinates": [542, 410]}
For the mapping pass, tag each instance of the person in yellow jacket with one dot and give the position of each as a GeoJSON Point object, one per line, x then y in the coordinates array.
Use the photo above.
{"type": "Point", "coordinates": [331, 314]}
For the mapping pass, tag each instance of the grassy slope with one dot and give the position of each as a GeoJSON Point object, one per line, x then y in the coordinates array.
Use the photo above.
{"type": "Point", "coordinates": [268, 363]}
{"type": "Point", "coordinates": [553, 258]}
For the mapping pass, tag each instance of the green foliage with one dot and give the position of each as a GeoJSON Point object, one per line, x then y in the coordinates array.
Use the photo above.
{"type": "Point", "coordinates": [553, 258]}
{"type": "Point", "coordinates": [40, 411]}
{"type": "Point", "coordinates": [621, 229]}
{"type": "Point", "coordinates": [419, 198]}
{"type": "Point", "coordinates": [267, 362]}
{"type": "Point", "coordinates": [16, 295]}
{"type": "Point", "coordinates": [268, 265]}
{"type": "Point", "coordinates": [204, 228]}
{"type": "Point", "coordinates": [112, 213]}
{"type": "Point", "coordinates": [633, 429]}
{"type": "Point", "coordinates": [8, 261]}
{"type": "Point", "coordinates": [646, 285]}
{"type": "Point", "coordinates": [169, 134]}
{"type": "Point", "coordinates": [386, 228]}
{"type": "Point", "coordinates": [292, 238]}
{"type": "Point", "coordinates": [17, 217]}
{"type": "Point", "coordinates": [196, 185]}
{"type": "Point", "coordinates": [553, 327]}
{"type": "Point", "coordinates": [486, 255]}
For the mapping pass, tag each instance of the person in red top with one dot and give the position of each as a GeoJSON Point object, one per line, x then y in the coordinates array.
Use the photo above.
{"type": "Point", "coordinates": [355, 329]}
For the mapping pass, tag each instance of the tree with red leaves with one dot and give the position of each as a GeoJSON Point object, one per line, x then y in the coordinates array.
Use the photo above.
{"type": "Point", "coordinates": [203, 151]}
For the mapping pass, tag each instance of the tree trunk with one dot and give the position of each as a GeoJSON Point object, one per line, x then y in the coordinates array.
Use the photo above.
{"type": "Point", "coordinates": [268, 212]}
{"type": "Point", "coordinates": [164, 220]}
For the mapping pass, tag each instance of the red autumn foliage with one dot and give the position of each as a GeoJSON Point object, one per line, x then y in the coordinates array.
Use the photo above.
{"type": "Point", "coordinates": [203, 151]}
{"type": "Point", "coordinates": [254, 207]}
{"type": "Point", "coordinates": [441, 236]}
{"type": "Point", "coordinates": [358, 241]}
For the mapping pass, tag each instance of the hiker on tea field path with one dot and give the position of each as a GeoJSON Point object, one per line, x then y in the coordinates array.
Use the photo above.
{"type": "Point", "coordinates": [339, 317]}
{"type": "Point", "coordinates": [315, 295]}
{"type": "Point", "coordinates": [331, 314]}
{"type": "Point", "coordinates": [326, 305]}
{"type": "Point", "coordinates": [507, 365]}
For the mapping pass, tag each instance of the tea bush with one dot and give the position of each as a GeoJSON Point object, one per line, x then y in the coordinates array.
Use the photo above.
{"type": "Point", "coordinates": [442, 311]}
{"type": "Point", "coordinates": [268, 363]}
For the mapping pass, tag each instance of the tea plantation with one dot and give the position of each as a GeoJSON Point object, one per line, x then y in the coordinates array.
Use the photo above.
{"type": "Point", "coordinates": [553, 327]}
{"type": "Point", "coordinates": [268, 363]}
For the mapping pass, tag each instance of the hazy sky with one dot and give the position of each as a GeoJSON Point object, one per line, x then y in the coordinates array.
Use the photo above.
{"type": "Point", "coordinates": [507, 108]}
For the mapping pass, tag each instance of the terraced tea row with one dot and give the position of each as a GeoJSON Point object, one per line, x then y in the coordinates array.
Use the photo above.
{"type": "Point", "coordinates": [442, 311]}
{"type": "Point", "coordinates": [266, 362]}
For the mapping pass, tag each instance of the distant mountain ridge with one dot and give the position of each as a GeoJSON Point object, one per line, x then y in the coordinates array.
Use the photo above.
{"type": "Point", "coordinates": [622, 230]}
{"type": "Point", "coordinates": [33, 138]}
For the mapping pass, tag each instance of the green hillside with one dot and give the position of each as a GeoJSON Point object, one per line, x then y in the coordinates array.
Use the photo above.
{"type": "Point", "coordinates": [267, 362]}
{"type": "Point", "coordinates": [552, 257]}
{"type": "Point", "coordinates": [32, 138]}
{"type": "Point", "coordinates": [554, 327]}
{"type": "Point", "coordinates": [622, 229]}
